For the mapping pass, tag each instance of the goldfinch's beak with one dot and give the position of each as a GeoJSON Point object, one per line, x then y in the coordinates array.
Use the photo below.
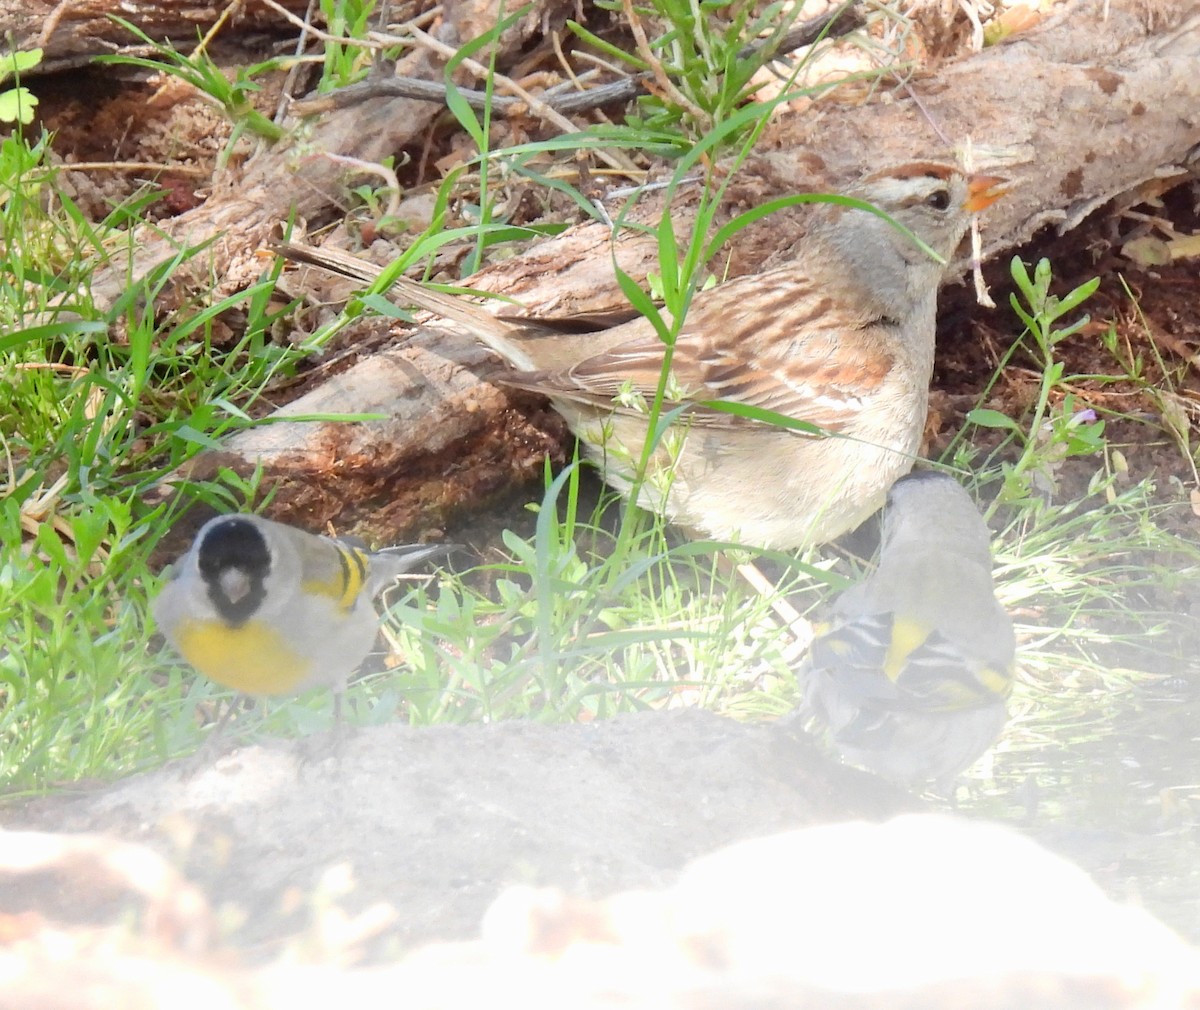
{"type": "Point", "coordinates": [983, 191]}
{"type": "Point", "coordinates": [234, 584]}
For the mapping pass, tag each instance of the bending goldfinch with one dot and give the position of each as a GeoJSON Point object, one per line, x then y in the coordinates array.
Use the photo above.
{"type": "Point", "coordinates": [911, 678]}
{"type": "Point", "coordinates": [269, 609]}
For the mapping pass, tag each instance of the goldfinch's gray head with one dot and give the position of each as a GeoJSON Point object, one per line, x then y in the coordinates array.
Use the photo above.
{"type": "Point", "coordinates": [930, 507]}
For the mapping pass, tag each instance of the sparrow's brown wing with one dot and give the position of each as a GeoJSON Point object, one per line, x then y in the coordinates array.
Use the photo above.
{"type": "Point", "coordinates": [772, 341]}
{"type": "Point", "coordinates": [775, 340]}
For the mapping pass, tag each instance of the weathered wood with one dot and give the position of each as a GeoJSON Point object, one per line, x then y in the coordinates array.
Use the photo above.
{"type": "Point", "coordinates": [1085, 108]}
{"type": "Point", "coordinates": [447, 438]}
{"type": "Point", "coordinates": [69, 31]}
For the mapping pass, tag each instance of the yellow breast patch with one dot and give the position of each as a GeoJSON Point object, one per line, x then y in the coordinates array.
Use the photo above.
{"type": "Point", "coordinates": [252, 658]}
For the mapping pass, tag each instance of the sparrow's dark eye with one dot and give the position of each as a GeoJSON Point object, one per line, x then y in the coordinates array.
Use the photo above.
{"type": "Point", "coordinates": [939, 199]}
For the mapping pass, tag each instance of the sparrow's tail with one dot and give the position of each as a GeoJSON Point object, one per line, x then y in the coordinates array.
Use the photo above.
{"type": "Point", "coordinates": [498, 334]}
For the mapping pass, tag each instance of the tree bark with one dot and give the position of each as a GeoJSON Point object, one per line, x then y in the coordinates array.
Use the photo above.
{"type": "Point", "coordinates": [71, 31]}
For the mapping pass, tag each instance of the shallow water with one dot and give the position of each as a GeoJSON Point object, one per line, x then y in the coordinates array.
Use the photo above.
{"type": "Point", "coordinates": [1124, 804]}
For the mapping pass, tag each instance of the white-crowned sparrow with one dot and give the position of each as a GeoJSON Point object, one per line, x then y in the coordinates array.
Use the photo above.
{"type": "Point", "coordinates": [841, 337]}
{"type": "Point", "coordinates": [911, 677]}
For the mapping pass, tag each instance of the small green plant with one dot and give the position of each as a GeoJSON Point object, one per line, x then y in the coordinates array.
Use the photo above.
{"type": "Point", "coordinates": [73, 701]}
{"type": "Point", "coordinates": [199, 70]}
{"type": "Point", "coordinates": [17, 104]}
{"type": "Point", "coordinates": [1054, 431]}
{"type": "Point", "coordinates": [702, 58]}
{"type": "Point", "coordinates": [89, 423]}
{"type": "Point", "coordinates": [1090, 568]}
{"type": "Point", "coordinates": [588, 617]}
{"type": "Point", "coordinates": [478, 128]}
{"type": "Point", "coordinates": [345, 63]}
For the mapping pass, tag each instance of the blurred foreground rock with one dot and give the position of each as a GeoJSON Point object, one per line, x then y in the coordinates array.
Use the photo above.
{"type": "Point", "coordinates": [925, 910]}
{"type": "Point", "coordinates": [436, 821]}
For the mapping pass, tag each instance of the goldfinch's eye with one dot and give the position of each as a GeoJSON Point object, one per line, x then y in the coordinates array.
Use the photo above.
{"type": "Point", "coordinates": [939, 199]}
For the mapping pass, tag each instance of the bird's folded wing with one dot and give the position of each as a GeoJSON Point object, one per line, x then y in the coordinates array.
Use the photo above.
{"type": "Point", "coordinates": [939, 676]}
{"type": "Point", "coordinates": [776, 341]}
{"type": "Point", "coordinates": [932, 676]}
{"type": "Point", "coordinates": [790, 351]}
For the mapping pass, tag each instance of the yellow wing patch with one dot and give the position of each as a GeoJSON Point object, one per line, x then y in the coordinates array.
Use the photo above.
{"type": "Point", "coordinates": [907, 637]}
{"type": "Point", "coordinates": [343, 588]}
{"type": "Point", "coordinates": [996, 680]}
{"type": "Point", "coordinates": [253, 658]}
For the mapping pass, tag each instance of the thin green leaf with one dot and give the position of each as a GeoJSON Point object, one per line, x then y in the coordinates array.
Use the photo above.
{"type": "Point", "coordinates": [985, 417]}
{"type": "Point", "coordinates": [643, 303]}
{"type": "Point", "coordinates": [50, 331]}
{"type": "Point", "coordinates": [761, 414]}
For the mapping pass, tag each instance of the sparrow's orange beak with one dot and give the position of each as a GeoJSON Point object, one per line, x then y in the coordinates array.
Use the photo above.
{"type": "Point", "coordinates": [983, 191]}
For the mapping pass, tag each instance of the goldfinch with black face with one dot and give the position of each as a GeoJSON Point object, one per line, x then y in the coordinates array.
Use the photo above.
{"type": "Point", "coordinates": [269, 609]}
{"type": "Point", "coordinates": [910, 679]}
